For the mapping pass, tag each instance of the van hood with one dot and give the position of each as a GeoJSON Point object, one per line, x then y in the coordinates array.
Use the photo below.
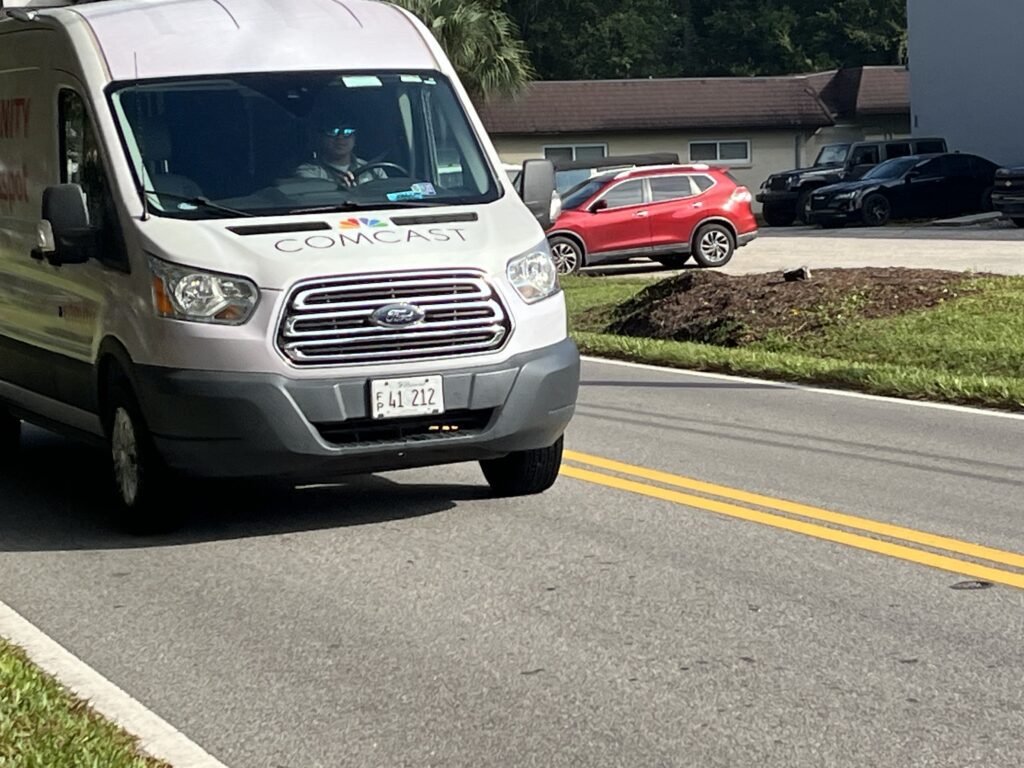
{"type": "Point", "coordinates": [276, 252]}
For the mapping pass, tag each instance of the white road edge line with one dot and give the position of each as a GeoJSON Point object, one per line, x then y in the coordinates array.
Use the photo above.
{"type": "Point", "coordinates": [157, 737]}
{"type": "Point", "coordinates": [807, 388]}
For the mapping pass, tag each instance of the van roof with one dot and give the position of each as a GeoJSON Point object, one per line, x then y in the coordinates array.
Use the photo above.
{"type": "Point", "coordinates": [180, 38]}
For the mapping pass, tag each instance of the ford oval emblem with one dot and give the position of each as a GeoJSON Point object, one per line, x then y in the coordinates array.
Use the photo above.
{"type": "Point", "coordinates": [397, 315]}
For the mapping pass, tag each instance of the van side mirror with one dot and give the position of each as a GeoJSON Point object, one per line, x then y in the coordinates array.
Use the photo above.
{"type": "Point", "coordinates": [911, 175]}
{"type": "Point", "coordinates": [71, 238]}
{"type": "Point", "coordinates": [600, 205]}
{"type": "Point", "coordinates": [538, 190]}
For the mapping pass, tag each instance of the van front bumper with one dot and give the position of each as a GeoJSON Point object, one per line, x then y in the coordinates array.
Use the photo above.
{"type": "Point", "coordinates": [214, 424]}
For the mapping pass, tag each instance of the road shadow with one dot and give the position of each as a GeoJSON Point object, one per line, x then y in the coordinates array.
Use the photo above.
{"type": "Point", "coordinates": [56, 496]}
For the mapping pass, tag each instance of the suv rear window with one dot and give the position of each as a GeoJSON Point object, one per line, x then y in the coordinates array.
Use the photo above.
{"type": "Point", "coordinates": [704, 183]}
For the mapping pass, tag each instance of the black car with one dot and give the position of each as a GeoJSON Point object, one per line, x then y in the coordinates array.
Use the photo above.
{"type": "Point", "coordinates": [786, 196]}
{"type": "Point", "coordinates": [1008, 195]}
{"type": "Point", "coordinates": [914, 187]}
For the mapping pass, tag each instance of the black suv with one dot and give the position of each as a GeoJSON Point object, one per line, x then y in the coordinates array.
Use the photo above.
{"type": "Point", "coordinates": [1008, 194]}
{"type": "Point", "coordinates": [787, 196]}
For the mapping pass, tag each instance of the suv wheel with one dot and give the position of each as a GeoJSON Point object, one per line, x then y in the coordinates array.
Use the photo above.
{"type": "Point", "coordinates": [567, 255]}
{"type": "Point", "coordinates": [778, 215]}
{"type": "Point", "coordinates": [877, 210]}
{"type": "Point", "coordinates": [524, 473]}
{"type": "Point", "coordinates": [139, 476]}
{"type": "Point", "coordinates": [803, 207]}
{"type": "Point", "coordinates": [713, 246]}
{"type": "Point", "coordinates": [10, 434]}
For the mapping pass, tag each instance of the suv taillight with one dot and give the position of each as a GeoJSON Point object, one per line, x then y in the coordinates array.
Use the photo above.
{"type": "Point", "coordinates": [740, 195]}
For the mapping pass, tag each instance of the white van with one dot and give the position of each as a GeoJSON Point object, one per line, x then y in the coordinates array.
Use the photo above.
{"type": "Point", "coordinates": [227, 249]}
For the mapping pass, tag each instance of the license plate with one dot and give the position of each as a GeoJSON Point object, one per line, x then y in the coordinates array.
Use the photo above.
{"type": "Point", "coordinates": [395, 398]}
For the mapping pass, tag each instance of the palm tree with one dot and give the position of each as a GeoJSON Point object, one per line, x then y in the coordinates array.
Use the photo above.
{"type": "Point", "coordinates": [482, 43]}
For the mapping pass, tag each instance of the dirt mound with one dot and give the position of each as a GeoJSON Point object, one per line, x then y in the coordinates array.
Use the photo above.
{"type": "Point", "coordinates": [734, 310]}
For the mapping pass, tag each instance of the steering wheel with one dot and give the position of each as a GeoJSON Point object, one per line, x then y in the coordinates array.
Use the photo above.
{"type": "Point", "coordinates": [357, 172]}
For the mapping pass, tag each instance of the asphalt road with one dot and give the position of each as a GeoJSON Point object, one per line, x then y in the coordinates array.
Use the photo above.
{"type": "Point", "coordinates": [625, 618]}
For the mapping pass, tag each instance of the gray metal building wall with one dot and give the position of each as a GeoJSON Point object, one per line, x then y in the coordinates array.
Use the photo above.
{"type": "Point", "coordinates": [967, 75]}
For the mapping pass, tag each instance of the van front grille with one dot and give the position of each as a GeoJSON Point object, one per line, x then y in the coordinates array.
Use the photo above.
{"type": "Point", "coordinates": [330, 321]}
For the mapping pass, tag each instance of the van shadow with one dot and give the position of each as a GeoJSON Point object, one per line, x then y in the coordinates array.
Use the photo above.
{"type": "Point", "coordinates": [56, 496]}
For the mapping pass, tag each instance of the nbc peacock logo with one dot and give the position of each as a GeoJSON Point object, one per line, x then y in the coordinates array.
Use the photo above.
{"type": "Point", "coordinates": [364, 223]}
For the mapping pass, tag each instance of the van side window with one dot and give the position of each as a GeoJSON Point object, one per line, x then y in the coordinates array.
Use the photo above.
{"type": "Point", "coordinates": [81, 163]}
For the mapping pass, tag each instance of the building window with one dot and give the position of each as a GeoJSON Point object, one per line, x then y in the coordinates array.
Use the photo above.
{"type": "Point", "coordinates": [584, 152]}
{"type": "Point", "coordinates": [730, 152]}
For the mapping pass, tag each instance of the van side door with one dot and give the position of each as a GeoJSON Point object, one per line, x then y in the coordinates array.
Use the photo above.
{"type": "Point", "coordinates": [78, 293]}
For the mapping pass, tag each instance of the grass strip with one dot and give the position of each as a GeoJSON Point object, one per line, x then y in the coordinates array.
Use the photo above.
{"type": "Point", "coordinates": [968, 351]}
{"type": "Point", "coordinates": [43, 726]}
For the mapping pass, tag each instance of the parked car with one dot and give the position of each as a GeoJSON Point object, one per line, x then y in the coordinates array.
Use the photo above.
{"type": "Point", "coordinates": [668, 213]}
{"type": "Point", "coordinates": [919, 186]}
{"type": "Point", "coordinates": [1008, 194]}
{"type": "Point", "coordinates": [786, 196]}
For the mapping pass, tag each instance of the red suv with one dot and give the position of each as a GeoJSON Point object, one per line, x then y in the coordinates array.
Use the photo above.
{"type": "Point", "coordinates": [667, 213]}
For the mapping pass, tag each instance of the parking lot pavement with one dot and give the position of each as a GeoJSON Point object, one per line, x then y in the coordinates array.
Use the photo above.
{"type": "Point", "coordinates": [994, 248]}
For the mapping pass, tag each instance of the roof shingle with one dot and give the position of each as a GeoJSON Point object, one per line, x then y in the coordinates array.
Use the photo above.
{"type": "Point", "coordinates": [585, 106]}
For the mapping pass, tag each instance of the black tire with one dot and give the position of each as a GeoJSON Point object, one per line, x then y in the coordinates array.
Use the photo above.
{"type": "Point", "coordinates": [803, 206]}
{"type": "Point", "coordinates": [876, 210]}
{"type": "Point", "coordinates": [778, 215]}
{"type": "Point", "coordinates": [567, 255]}
{"type": "Point", "coordinates": [10, 434]}
{"type": "Point", "coordinates": [673, 261]}
{"type": "Point", "coordinates": [140, 479]}
{"type": "Point", "coordinates": [524, 473]}
{"type": "Point", "coordinates": [713, 246]}
{"type": "Point", "coordinates": [1018, 222]}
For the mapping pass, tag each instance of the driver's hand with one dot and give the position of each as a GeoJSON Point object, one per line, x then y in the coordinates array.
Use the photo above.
{"type": "Point", "coordinates": [348, 179]}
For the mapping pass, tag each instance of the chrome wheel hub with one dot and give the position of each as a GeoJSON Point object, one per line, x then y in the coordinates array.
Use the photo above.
{"type": "Point", "coordinates": [565, 257]}
{"type": "Point", "coordinates": [124, 448]}
{"type": "Point", "coordinates": [714, 246]}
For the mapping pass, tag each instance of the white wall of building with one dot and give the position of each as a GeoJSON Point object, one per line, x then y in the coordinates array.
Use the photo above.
{"type": "Point", "coordinates": [967, 75]}
{"type": "Point", "coordinates": [770, 151]}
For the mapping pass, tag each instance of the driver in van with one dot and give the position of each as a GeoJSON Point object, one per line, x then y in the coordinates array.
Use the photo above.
{"type": "Point", "coordinates": [334, 155]}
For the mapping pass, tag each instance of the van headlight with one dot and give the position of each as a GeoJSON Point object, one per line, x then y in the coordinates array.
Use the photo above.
{"type": "Point", "coordinates": [184, 293]}
{"type": "Point", "coordinates": [533, 274]}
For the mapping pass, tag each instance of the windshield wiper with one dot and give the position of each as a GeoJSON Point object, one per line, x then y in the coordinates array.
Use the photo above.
{"type": "Point", "coordinates": [199, 202]}
{"type": "Point", "coordinates": [342, 207]}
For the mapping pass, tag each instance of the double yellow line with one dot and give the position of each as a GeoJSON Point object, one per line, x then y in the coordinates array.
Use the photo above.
{"type": "Point", "coordinates": [894, 541]}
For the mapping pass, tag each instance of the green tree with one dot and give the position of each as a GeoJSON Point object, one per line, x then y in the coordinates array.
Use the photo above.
{"type": "Point", "coordinates": [481, 41]}
{"type": "Point", "coordinates": [581, 39]}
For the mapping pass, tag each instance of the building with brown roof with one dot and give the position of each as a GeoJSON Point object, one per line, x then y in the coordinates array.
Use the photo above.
{"type": "Point", "coordinates": [755, 125]}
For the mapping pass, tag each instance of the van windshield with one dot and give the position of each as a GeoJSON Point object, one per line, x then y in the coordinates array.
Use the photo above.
{"type": "Point", "coordinates": [296, 142]}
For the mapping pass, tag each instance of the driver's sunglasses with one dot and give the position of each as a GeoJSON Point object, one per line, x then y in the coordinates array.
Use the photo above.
{"type": "Point", "coordinates": [335, 133]}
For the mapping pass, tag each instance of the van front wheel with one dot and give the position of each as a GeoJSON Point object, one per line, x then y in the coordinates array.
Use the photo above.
{"type": "Point", "coordinates": [139, 475]}
{"type": "Point", "coordinates": [524, 473]}
{"type": "Point", "coordinates": [10, 434]}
